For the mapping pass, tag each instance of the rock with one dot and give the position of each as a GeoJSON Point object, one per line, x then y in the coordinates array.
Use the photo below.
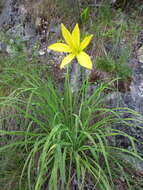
{"type": "Point", "coordinates": [140, 54]}
{"type": "Point", "coordinates": [55, 29]}
{"type": "Point", "coordinates": [10, 51]}
{"type": "Point", "coordinates": [15, 21]}
{"type": "Point", "coordinates": [136, 163]}
{"type": "Point", "coordinates": [42, 52]}
{"type": "Point", "coordinates": [75, 77]}
{"type": "Point", "coordinates": [5, 15]}
{"type": "Point", "coordinates": [3, 47]}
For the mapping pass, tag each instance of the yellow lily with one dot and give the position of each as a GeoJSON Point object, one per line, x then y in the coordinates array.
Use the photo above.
{"type": "Point", "coordinates": [74, 47]}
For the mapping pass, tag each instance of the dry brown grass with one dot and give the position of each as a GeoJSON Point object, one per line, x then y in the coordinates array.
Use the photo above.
{"type": "Point", "coordinates": [43, 8]}
{"type": "Point", "coordinates": [56, 11]}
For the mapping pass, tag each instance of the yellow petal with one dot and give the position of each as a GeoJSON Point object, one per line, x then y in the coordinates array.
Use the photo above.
{"type": "Point", "coordinates": [76, 35]}
{"type": "Point", "coordinates": [85, 42]}
{"type": "Point", "coordinates": [84, 60]}
{"type": "Point", "coordinates": [60, 47]}
{"type": "Point", "coordinates": [67, 60]}
{"type": "Point", "coordinates": [67, 36]}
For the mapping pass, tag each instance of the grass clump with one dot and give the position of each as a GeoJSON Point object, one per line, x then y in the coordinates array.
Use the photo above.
{"type": "Point", "coordinates": [117, 68]}
{"type": "Point", "coordinates": [65, 138]}
{"type": "Point", "coordinates": [106, 64]}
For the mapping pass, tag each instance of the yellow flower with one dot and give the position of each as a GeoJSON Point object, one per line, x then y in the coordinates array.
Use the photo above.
{"type": "Point", "coordinates": [74, 47]}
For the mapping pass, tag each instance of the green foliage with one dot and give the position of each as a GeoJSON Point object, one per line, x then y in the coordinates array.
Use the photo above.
{"type": "Point", "coordinates": [70, 7]}
{"type": "Point", "coordinates": [10, 77]}
{"type": "Point", "coordinates": [123, 71]}
{"type": "Point", "coordinates": [11, 165]}
{"type": "Point", "coordinates": [109, 33]}
{"type": "Point", "coordinates": [106, 64]}
{"type": "Point", "coordinates": [64, 137]}
{"type": "Point", "coordinates": [105, 13]}
{"type": "Point", "coordinates": [115, 33]}
{"type": "Point", "coordinates": [84, 17]}
{"type": "Point", "coordinates": [117, 67]}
